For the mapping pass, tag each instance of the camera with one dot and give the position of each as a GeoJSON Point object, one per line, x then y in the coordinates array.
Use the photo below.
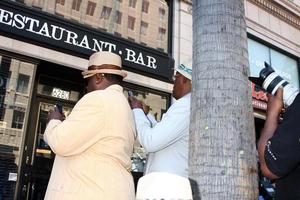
{"type": "Point", "coordinates": [270, 81]}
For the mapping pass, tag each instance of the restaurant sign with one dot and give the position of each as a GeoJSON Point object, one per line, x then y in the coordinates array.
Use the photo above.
{"type": "Point", "coordinates": [51, 31]}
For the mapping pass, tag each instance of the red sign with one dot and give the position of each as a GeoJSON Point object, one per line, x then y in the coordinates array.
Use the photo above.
{"type": "Point", "coordinates": [259, 97]}
{"type": "Point", "coordinates": [258, 93]}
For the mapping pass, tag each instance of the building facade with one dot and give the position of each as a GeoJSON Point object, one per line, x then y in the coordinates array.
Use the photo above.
{"type": "Point", "coordinates": [44, 46]}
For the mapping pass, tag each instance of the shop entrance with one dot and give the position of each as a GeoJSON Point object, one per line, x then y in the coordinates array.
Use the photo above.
{"type": "Point", "coordinates": [38, 168]}
{"type": "Point", "coordinates": [58, 84]}
{"type": "Point", "coordinates": [53, 84]}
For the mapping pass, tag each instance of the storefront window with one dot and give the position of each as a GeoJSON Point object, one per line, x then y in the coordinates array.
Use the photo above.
{"type": "Point", "coordinates": [284, 65]}
{"type": "Point", "coordinates": [121, 18]}
{"type": "Point", "coordinates": [16, 78]}
{"type": "Point", "coordinates": [258, 54]}
{"type": "Point", "coordinates": [158, 103]}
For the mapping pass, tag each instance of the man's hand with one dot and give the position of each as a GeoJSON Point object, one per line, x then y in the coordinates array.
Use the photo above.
{"type": "Point", "coordinates": [135, 103]}
{"type": "Point", "coordinates": [275, 103]}
{"type": "Point", "coordinates": [55, 114]}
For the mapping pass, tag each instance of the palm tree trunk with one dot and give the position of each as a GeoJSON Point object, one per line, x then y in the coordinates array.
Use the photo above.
{"type": "Point", "coordinates": [222, 158]}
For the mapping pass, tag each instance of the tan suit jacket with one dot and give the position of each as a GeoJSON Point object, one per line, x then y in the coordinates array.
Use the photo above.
{"type": "Point", "coordinates": [93, 148]}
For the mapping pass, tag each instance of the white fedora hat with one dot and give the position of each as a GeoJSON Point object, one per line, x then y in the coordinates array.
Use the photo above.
{"type": "Point", "coordinates": [102, 58]}
{"type": "Point", "coordinates": [162, 185]}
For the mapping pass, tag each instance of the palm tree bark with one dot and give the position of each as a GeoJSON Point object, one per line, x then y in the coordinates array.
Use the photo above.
{"type": "Point", "coordinates": [222, 152]}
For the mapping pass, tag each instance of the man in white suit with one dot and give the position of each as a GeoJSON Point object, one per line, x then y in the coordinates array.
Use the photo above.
{"type": "Point", "coordinates": [93, 145]}
{"type": "Point", "coordinates": [166, 142]}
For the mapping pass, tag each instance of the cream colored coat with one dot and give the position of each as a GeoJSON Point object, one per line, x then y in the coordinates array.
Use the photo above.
{"type": "Point", "coordinates": [93, 148]}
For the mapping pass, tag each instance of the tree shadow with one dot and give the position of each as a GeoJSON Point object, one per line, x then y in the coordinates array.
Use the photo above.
{"type": "Point", "coordinates": [195, 189]}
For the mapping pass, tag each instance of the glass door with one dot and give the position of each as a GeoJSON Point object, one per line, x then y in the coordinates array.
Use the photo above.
{"type": "Point", "coordinates": [42, 156]}
{"type": "Point", "coordinates": [53, 84]}
{"type": "Point", "coordinates": [16, 80]}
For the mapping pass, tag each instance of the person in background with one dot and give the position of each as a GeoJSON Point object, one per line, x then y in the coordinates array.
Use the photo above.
{"type": "Point", "coordinates": [93, 145]}
{"type": "Point", "coordinates": [279, 147]}
{"type": "Point", "coordinates": [166, 142]}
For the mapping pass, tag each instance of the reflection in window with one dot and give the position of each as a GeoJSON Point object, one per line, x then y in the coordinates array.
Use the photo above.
{"type": "Point", "coordinates": [18, 119]}
{"type": "Point", "coordinates": [285, 66]}
{"type": "Point", "coordinates": [131, 21]}
{"type": "Point", "coordinates": [90, 8]}
{"type": "Point", "coordinates": [76, 4]}
{"type": "Point", "coordinates": [118, 17]}
{"type": "Point", "coordinates": [144, 27]}
{"type": "Point", "coordinates": [23, 81]}
{"type": "Point", "coordinates": [145, 6]}
{"type": "Point", "coordinates": [258, 54]}
{"type": "Point", "coordinates": [61, 2]}
{"type": "Point", "coordinates": [161, 34]}
{"type": "Point", "coordinates": [13, 106]}
{"type": "Point", "coordinates": [132, 3]}
{"type": "Point", "coordinates": [105, 12]}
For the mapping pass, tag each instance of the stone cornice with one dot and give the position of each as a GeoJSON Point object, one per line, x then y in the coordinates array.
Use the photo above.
{"type": "Point", "coordinates": [290, 5]}
{"type": "Point", "coordinates": [278, 10]}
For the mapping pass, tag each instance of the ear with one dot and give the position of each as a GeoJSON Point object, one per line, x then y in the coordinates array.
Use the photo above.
{"type": "Point", "coordinates": [99, 78]}
{"type": "Point", "coordinates": [184, 79]}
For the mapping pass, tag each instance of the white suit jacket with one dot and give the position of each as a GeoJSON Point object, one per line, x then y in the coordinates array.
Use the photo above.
{"type": "Point", "coordinates": [167, 141]}
{"type": "Point", "coordinates": [163, 185]}
{"type": "Point", "coordinates": [93, 147]}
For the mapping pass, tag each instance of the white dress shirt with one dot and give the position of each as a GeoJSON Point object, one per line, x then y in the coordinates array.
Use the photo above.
{"type": "Point", "coordinates": [166, 142]}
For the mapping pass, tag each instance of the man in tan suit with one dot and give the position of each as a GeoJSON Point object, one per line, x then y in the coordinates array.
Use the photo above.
{"type": "Point", "coordinates": [94, 143]}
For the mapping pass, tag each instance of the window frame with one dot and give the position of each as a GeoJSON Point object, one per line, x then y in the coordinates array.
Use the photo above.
{"type": "Point", "coordinates": [60, 2]}
{"type": "Point", "coordinates": [76, 4]}
{"type": "Point", "coordinates": [161, 33]}
{"type": "Point", "coordinates": [105, 13]}
{"type": "Point", "coordinates": [118, 17]}
{"type": "Point", "coordinates": [131, 22]}
{"type": "Point", "coordinates": [145, 6]}
{"type": "Point", "coordinates": [91, 7]}
{"type": "Point", "coordinates": [144, 29]}
{"type": "Point", "coordinates": [22, 89]}
{"type": "Point", "coordinates": [132, 3]}
{"type": "Point", "coordinates": [16, 123]}
{"type": "Point", "coordinates": [161, 13]}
